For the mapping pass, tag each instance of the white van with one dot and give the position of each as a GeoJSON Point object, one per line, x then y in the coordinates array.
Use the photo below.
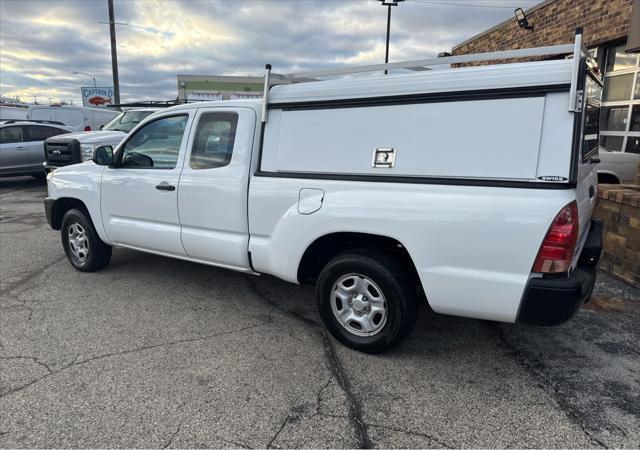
{"type": "Point", "coordinates": [13, 113]}
{"type": "Point", "coordinates": [79, 118]}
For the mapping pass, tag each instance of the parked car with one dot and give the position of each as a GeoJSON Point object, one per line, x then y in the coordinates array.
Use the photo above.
{"type": "Point", "coordinates": [21, 146]}
{"type": "Point", "coordinates": [466, 187]}
{"type": "Point", "coordinates": [77, 147]}
{"type": "Point", "coordinates": [617, 167]}
{"type": "Point", "coordinates": [79, 118]}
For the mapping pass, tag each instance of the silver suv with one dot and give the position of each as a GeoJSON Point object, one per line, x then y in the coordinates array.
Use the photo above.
{"type": "Point", "coordinates": [21, 145]}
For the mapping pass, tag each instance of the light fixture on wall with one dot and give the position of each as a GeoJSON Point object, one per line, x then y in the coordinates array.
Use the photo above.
{"type": "Point", "coordinates": [522, 20]}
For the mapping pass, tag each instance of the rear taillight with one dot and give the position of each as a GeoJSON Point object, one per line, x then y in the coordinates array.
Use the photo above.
{"type": "Point", "coordinates": [87, 128]}
{"type": "Point", "coordinates": [557, 249]}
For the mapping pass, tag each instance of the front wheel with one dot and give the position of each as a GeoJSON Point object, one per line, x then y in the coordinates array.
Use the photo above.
{"type": "Point", "coordinates": [84, 248]}
{"type": "Point", "coordinates": [366, 301]}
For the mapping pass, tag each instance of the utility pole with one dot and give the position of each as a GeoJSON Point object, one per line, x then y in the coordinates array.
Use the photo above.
{"type": "Point", "coordinates": [114, 54]}
{"type": "Point", "coordinates": [388, 4]}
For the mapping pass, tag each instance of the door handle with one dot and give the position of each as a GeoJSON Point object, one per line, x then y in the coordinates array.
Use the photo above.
{"type": "Point", "coordinates": [164, 186]}
{"type": "Point", "coordinates": [21, 148]}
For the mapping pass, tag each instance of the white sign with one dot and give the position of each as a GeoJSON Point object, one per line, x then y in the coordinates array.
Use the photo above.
{"type": "Point", "coordinates": [98, 97]}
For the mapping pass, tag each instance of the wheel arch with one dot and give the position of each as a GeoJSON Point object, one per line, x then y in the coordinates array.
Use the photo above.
{"type": "Point", "coordinates": [607, 177]}
{"type": "Point", "coordinates": [328, 246]}
{"type": "Point", "coordinates": [60, 208]}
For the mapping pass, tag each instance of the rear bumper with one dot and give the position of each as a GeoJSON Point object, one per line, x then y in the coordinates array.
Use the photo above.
{"type": "Point", "coordinates": [552, 301]}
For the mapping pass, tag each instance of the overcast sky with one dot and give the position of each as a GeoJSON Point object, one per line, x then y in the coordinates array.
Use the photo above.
{"type": "Point", "coordinates": [43, 42]}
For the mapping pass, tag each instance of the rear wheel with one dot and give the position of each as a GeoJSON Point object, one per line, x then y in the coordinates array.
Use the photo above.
{"type": "Point", "coordinates": [84, 248]}
{"type": "Point", "coordinates": [366, 301]}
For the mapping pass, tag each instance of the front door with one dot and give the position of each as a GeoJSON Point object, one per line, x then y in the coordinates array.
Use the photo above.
{"type": "Point", "coordinates": [212, 196]}
{"type": "Point", "coordinates": [139, 193]}
{"type": "Point", "coordinates": [14, 154]}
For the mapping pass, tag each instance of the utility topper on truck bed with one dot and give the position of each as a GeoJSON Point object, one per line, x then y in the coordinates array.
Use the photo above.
{"type": "Point", "coordinates": [471, 188]}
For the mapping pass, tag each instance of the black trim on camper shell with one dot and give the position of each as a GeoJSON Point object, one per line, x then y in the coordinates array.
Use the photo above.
{"type": "Point", "coordinates": [578, 122]}
{"type": "Point", "coordinates": [433, 97]}
{"type": "Point", "coordinates": [418, 180]}
{"type": "Point", "coordinates": [480, 94]}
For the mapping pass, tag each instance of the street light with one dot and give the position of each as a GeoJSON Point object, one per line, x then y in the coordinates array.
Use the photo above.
{"type": "Point", "coordinates": [86, 75]}
{"type": "Point", "coordinates": [521, 18]}
{"type": "Point", "coordinates": [388, 4]}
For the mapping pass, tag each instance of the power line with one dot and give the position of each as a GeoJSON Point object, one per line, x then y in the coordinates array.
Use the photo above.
{"type": "Point", "coordinates": [467, 5]}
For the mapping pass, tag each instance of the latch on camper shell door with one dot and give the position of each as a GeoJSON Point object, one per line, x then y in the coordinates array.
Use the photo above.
{"type": "Point", "coordinates": [384, 157]}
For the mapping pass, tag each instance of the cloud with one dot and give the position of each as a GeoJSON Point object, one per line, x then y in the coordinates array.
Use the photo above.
{"type": "Point", "coordinates": [43, 42]}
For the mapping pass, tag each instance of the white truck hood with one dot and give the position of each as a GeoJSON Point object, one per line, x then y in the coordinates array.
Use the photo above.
{"type": "Point", "coordinates": [96, 137]}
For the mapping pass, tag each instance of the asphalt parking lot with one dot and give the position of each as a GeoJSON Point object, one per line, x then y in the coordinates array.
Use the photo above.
{"type": "Point", "coordinates": [154, 352]}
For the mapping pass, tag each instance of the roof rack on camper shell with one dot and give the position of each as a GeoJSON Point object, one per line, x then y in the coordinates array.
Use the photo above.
{"type": "Point", "coordinates": [149, 104]}
{"type": "Point", "coordinates": [577, 51]}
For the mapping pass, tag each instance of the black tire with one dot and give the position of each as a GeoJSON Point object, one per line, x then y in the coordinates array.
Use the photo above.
{"type": "Point", "coordinates": [398, 295]}
{"type": "Point", "coordinates": [95, 255]}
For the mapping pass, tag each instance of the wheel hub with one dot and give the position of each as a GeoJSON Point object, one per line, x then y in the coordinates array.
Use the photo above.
{"type": "Point", "coordinates": [359, 305]}
{"type": "Point", "coordinates": [78, 242]}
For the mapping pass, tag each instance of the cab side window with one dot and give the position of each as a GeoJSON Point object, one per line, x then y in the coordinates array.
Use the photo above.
{"type": "Point", "coordinates": [156, 145]}
{"type": "Point", "coordinates": [214, 140]}
{"type": "Point", "coordinates": [10, 135]}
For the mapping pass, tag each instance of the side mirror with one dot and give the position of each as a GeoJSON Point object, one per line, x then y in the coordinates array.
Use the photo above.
{"type": "Point", "coordinates": [103, 155]}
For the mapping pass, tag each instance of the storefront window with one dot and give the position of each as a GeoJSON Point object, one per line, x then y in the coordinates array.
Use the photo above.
{"type": "Point", "coordinates": [620, 112]}
{"type": "Point", "coordinates": [635, 118]}
{"type": "Point", "coordinates": [614, 118]}
{"type": "Point", "coordinates": [617, 59]}
{"type": "Point", "coordinates": [633, 144]}
{"type": "Point", "coordinates": [612, 143]}
{"type": "Point", "coordinates": [618, 88]}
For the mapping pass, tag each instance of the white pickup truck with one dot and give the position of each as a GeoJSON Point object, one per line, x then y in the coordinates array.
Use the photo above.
{"type": "Point", "coordinates": [469, 188]}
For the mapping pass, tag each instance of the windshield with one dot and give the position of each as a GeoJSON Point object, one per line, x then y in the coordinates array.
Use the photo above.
{"type": "Point", "coordinates": [126, 121]}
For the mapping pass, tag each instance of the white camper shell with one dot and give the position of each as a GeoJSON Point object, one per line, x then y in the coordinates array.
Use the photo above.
{"type": "Point", "coordinates": [469, 188]}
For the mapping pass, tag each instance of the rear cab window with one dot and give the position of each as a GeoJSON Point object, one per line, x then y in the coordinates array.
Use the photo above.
{"type": "Point", "coordinates": [215, 137]}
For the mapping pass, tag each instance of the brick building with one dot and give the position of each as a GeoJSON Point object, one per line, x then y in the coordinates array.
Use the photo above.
{"type": "Point", "coordinates": [611, 27]}
{"type": "Point", "coordinates": [606, 25]}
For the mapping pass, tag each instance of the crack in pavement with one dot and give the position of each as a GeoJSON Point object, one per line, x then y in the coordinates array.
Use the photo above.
{"type": "Point", "coordinates": [129, 351]}
{"type": "Point", "coordinates": [335, 369]}
{"type": "Point", "coordinates": [29, 276]}
{"type": "Point", "coordinates": [294, 415]}
{"type": "Point", "coordinates": [355, 408]}
{"type": "Point", "coordinates": [173, 436]}
{"type": "Point", "coordinates": [228, 441]}
{"type": "Point", "coordinates": [31, 358]}
{"type": "Point", "coordinates": [413, 433]}
{"type": "Point", "coordinates": [527, 362]}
